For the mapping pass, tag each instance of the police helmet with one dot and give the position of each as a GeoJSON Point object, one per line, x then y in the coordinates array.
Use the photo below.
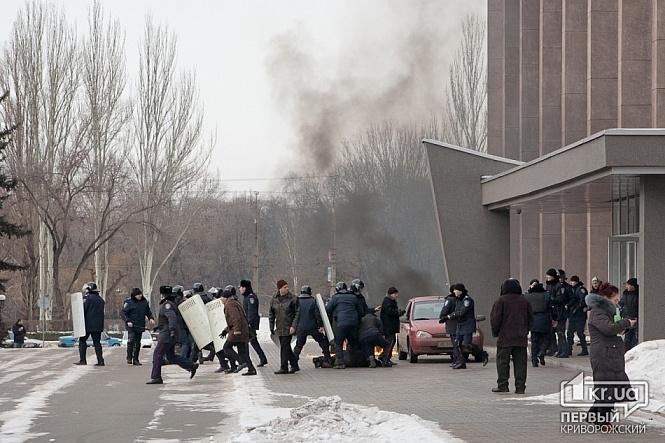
{"type": "Point", "coordinates": [357, 285]}
{"type": "Point", "coordinates": [306, 290]}
{"type": "Point", "coordinates": [187, 293]}
{"type": "Point", "coordinates": [177, 290]}
{"type": "Point", "coordinates": [88, 287]}
{"type": "Point", "coordinates": [229, 291]}
{"type": "Point", "coordinates": [214, 292]}
{"type": "Point", "coordinates": [197, 287]}
{"type": "Point", "coordinates": [341, 286]}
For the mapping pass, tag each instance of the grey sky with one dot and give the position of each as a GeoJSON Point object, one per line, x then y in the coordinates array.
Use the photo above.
{"type": "Point", "coordinates": [228, 43]}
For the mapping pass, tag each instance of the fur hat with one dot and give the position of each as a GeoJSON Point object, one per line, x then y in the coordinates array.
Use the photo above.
{"type": "Point", "coordinates": [552, 273]}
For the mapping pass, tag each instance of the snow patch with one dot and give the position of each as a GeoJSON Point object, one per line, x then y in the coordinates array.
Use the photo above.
{"type": "Point", "coordinates": [647, 362]}
{"type": "Point", "coordinates": [16, 423]}
{"type": "Point", "coordinates": [329, 419]}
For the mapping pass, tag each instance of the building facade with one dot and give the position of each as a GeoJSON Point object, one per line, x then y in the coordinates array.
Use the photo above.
{"type": "Point", "coordinates": [574, 175]}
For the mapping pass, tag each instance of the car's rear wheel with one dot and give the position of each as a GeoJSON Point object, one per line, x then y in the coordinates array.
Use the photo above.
{"type": "Point", "coordinates": [413, 358]}
{"type": "Point", "coordinates": [401, 355]}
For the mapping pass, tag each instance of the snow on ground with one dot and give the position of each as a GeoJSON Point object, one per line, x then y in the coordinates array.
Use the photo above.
{"type": "Point", "coordinates": [329, 419]}
{"type": "Point", "coordinates": [647, 362]}
{"type": "Point", "coordinates": [16, 423]}
{"type": "Point", "coordinates": [321, 419]}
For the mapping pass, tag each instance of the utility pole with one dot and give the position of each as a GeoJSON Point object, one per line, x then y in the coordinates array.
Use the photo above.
{"type": "Point", "coordinates": [257, 215]}
{"type": "Point", "coordinates": [332, 254]}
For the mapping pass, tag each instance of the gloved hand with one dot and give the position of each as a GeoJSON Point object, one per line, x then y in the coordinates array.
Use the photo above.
{"type": "Point", "coordinates": [402, 312]}
{"type": "Point", "coordinates": [224, 333]}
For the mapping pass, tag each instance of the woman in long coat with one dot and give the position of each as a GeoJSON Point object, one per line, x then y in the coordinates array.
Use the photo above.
{"type": "Point", "coordinates": [607, 349]}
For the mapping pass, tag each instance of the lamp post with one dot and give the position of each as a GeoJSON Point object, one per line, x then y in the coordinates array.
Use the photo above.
{"type": "Point", "coordinates": [3, 297]}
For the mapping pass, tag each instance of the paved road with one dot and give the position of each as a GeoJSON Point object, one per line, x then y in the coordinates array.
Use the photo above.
{"type": "Point", "coordinates": [45, 398]}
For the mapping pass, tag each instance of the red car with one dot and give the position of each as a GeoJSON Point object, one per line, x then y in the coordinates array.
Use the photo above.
{"type": "Point", "coordinates": [421, 333]}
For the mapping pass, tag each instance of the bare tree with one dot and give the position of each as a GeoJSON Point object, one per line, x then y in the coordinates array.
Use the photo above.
{"type": "Point", "coordinates": [467, 88]}
{"type": "Point", "coordinates": [107, 112]}
{"type": "Point", "coordinates": [169, 152]}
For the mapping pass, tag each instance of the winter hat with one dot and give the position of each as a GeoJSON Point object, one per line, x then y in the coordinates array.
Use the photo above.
{"type": "Point", "coordinates": [281, 284]}
{"type": "Point", "coordinates": [562, 274]}
{"type": "Point", "coordinates": [511, 286]}
{"type": "Point", "coordinates": [459, 287]}
{"type": "Point", "coordinates": [535, 280]}
{"type": "Point", "coordinates": [552, 272]}
{"type": "Point", "coordinates": [575, 278]}
{"type": "Point", "coordinates": [245, 284]}
{"type": "Point", "coordinates": [392, 290]}
{"type": "Point", "coordinates": [632, 282]}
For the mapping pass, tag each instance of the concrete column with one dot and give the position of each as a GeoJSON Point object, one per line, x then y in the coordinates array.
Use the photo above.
{"type": "Point", "coordinates": [658, 64]}
{"type": "Point", "coordinates": [635, 42]}
{"type": "Point", "coordinates": [529, 78]}
{"type": "Point", "coordinates": [550, 242]}
{"type": "Point", "coordinates": [651, 258]}
{"type": "Point", "coordinates": [599, 229]}
{"type": "Point", "coordinates": [515, 245]}
{"type": "Point", "coordinates": [602, 65]}
{"type": "Point", "coordinates": [531, 267]}
{"type": "Point", "coordinates": [574, 58]}
{"type": "Point", "coordinates": [511, 110]}
{"type": "Point", "coordinates": [495, 79]}
{"type": "Point", "coordinates": [575, 245]}
{"type": "Point", "coordinates": [550, 75]}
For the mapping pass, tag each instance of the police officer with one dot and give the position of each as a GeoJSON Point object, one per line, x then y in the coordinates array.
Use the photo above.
{"type": "Point", "coordinates": [93, 310]}
{"type": "Point", "coordinates": [134, 312]}
{"type": "Point", "coordinates": [357, 287]}
{"type": "Point", "coordinates": [184, 338]}
{"type": "Point", "coordinates": [451, 323]}
{"type": "Point", "coordinates": [541, 324]}
{"type": "Point", "coordinates": [344, 307]}
{"type": "Point", "coordinates": [309, 324]}
{"type": "Point", "coordinates": [560, 297]}
{"type": "Point", "coordinates": [370, 335]}
{"type": "Point", "coordinates": [577, 314]}
{"type": "Point", "coordinates": [465, 314]}
{"type": "Point", "coordinates": [197, 354]}
{"type": "Point", "coordinates": [168, 327]}
{"type": "Point", "coordinates": [250, 303]}
{"type": "Point", "coordinates": [237, 332]}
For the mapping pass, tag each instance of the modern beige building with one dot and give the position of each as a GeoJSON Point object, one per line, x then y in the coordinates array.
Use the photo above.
{"type": "Point", "coordinates": [560, 187]}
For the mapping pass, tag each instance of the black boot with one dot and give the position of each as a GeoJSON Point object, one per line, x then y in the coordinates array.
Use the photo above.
{"type": "Point", "coordinates": [155, 381]}
{"type": "Point", "coordinates": [541, 359]}
{"type": "Point", "coordinates": [136, 363]}
{"type": "Point", "coordinates": [192, 372]}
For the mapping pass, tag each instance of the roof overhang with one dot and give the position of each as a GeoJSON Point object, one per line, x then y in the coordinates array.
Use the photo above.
{"type": "Point", "coordinates": [613, 152]}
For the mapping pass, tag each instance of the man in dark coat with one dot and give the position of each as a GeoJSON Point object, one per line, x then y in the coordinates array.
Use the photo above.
{"type": "Point", "coordinates": [511, 322]}
{"type": "Point", "coordinates": [237, 332]}
{"type": "Point", "coordinates": [560, 295]}
{"type": "Point", "coordinates": [370, 334]}
{"type": "Point", "coordinates": [309, 323]}
{"type": "Point", "coordinates": [250, 303]}
{"type": "Point", "coordinates": [390, 314]}
{"type": "Point", "coordinates": [19, 333]}
{"type": "Point", "coordinates": [607, 349]}
{"type": "Point", "coordinates": [541, 324]}
{"type": "Point", "coordinates": [345, 308]}
{"type": "Point", "coordinates": [630, 308]}
{"type": "Point", "coordinates": [465, 314]}
{"type": "Point", "coordinates": [577, 314]}
{"type": "Point", "coordinates": [134, 312]}
{"type": "Point", "coordinates": [93, 309]}
{"type": "Point", "coordinates": [451, 323]}
{"type": "Point", "coordinates": [283, 310]}
{"type": "Point", "coordinates": [167, 325]}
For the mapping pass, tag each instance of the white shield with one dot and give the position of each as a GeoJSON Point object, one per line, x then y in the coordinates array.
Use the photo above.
{"type": "Point", "coordinates": [217, 321]}
{"type": "Point", "coordinates": [324, 316]}
{"type": "Point", "coordinates": [195, 314]}
{"type": "Point", "coordinates": [78, 317]}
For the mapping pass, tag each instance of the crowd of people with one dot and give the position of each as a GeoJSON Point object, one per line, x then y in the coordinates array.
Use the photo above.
{"type": "Point", "coordinates": [553, 315]}
{"type": "Point", "coordinates": [358, 328]}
